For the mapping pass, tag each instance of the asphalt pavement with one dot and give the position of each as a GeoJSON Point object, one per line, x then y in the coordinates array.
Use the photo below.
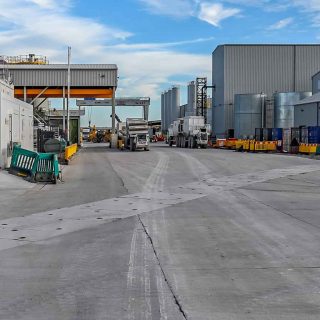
{"type": "Point", "coordinates": [165, 234]}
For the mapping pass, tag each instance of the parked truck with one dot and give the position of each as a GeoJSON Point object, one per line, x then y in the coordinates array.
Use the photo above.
{"type": "Point", "coordinates": [136, 135]}
{"type": "Point", "coordinates": [189, 132]}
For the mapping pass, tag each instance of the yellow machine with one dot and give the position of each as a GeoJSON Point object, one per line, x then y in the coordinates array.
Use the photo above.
{"type": "Point", "coordinates": [107, 136]}
{"type": "Point", "coordinates": [93, 134]}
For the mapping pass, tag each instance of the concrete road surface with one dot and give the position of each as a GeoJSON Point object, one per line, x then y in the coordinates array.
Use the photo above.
{"type": "Point", "coordinates": [166, 234]}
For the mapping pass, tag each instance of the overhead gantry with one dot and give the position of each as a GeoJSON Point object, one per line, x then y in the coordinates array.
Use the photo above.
{"type": "Point", "coordinates": [51, 81]}
{"type": "Point", "coordinates": [143, 102]}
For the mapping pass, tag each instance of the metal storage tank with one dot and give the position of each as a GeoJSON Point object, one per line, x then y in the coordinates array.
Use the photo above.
{"type": "Point", "coordinates": [167, 109]}
{"type": "Point", "coordinates": [249, 114]}
{"type": "Point", "coordinates": [284, 107]}
{"type": "Point", "coordinates": [170, 111]}
{"type": "Point", "coordinates": [191, 98]}
{"type": "Point", "coordinates": [175, 102]}
{"type": "Point", "coordinates": [162, 113]}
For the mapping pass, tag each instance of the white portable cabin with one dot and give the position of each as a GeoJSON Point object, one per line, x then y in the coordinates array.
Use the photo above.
{"type": "Point", "coordinates": [16, 123]}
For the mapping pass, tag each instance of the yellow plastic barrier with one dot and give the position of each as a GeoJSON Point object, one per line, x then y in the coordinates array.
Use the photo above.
{"type": "Point", "coordinates": [313, 148]}
{"type": "Point", "coordinates": [221, 143]}
{"type": "Point", "coordinates": [239, 144]}
{"type": "Point", "coordinates": [271, 145]}
{"type": "Point", "coordinates": [308, 148]}
{"type": "Point", "coordinates": [231, 143]}
{"type": "Point", "coordinates": [303, 148]}
{"type": "Point", "coordinates": [70, 151]}
{"type": "Point", "coordinates": [246, 145]}
{"type": "Point", "coordinates": [252, 145]}
{"type": "Point", "coordinates": [260, 146]}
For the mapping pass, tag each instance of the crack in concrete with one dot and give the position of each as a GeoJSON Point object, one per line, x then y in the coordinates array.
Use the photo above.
{"type": "Point", "coordinates": [176, 299]}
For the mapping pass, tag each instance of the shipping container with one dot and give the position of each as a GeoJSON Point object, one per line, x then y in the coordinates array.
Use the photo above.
{"type": "Point", "coordinates": [313, 134]}
{"type": "Point", "coordinates": [277, 134]}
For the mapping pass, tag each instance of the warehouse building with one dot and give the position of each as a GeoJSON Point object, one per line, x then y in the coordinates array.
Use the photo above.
{"type": "Point", "coordinates": [307, 111]}
{"type": "Point", "coordinates": [260, 70]}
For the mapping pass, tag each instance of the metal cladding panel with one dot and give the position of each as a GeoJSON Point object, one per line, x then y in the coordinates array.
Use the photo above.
{"type": "Point", "coordinates": [284, 107]}
{"type": "Point", "coordinates": [306, 115]}
{"type": "Point", "coordinates": [248, 114]}
{"type": "Point", "coordinates": [269, 114]}
{"type": "Point", "coordinates": [58, 77]}
{"type": "Point", "coordinates": [175, 100]}
{"type": "Point", "coordinates": [307, 64]}
{"type": "Point", "coordinates": [316, 83]}
{"type": "Point", "coordinates": [218, 80]}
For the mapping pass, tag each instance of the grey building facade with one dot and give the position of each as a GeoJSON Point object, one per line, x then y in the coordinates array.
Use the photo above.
{"type": "Point", "coordinates": [255, 69]}
{"type": "Point", "coordinates": [316, 83]}
{"type": "Point", "coordinates": [307, 111]}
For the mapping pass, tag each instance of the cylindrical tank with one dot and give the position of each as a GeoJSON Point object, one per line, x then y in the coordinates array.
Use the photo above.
{"type": "Point", "coordinates": [169, 108]}
{"type": "Point", "coordinates": [162, 113]}
{"type": "Point", "coordinates": [191, 98]}
{"type": "Point", "coordinates": [175, 102]}
{"type": "Point", "coordinates": [248, 114]}
{"type": "Point", "coordinates": [284, 107]}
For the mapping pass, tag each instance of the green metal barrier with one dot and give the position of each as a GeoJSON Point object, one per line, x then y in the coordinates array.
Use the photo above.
{"type": "Point", "coordinates": [34, 166]}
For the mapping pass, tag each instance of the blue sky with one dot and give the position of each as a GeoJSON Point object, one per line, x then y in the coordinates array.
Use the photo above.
{"type": "Point", "coordinates": [155, 43]}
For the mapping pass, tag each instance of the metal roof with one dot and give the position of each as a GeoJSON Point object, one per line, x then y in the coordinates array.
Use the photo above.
{"type": "Point", "coordinates": [60, 66]}
{"type": "Point", "coordinates": [55, 75]}
{"type": "Point", "coordinates": [266, 45]}
{"type": "Point", "coordinates": [313, 99]}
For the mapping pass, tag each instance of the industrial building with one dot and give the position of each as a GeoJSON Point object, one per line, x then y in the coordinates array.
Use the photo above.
{"type": "Point", "coordinates": [263, 70]}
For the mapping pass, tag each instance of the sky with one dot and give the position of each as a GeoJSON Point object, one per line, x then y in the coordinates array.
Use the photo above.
{"type": "Point", "coordinates": [155, 43]}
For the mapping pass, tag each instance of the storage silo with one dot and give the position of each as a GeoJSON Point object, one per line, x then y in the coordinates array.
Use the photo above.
{"type": "Point", "coordinates": [249, 112]}
{"type": "Point", "coordinates": [169, 108]}
{"type": "Point", "coordinates": [175, 103]}
{"type": "Point", "coordinates": [163, 125]}
{"type": "Point", "coordinates": [191, 109]}
{"type": "Point", "coordinates": [284, 107]}
{"type": "Point", "coordinates": [166, 111]}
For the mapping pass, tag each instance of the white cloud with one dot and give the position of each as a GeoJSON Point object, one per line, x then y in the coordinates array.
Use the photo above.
{"type": "Point", "coordinates": [281, 24]}
{"type": "Point", "coordinates": [215, 13]}
{"type": "Point", "coordinates": [157, 46]}
{"type": "Point", "coordinates": [177, 8]}
{"type": "Point", "coordinates": [209, 12]}
{"type": "Point", "coordinates": [44, 28]}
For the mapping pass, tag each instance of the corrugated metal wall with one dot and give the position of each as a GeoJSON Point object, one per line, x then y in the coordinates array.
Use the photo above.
{"type": "Point", "coordinates": [58, 77]}
{"type": "Point", "coordinates": [259, 68]}
{"type": "Point", "coordinates": [218, 81]}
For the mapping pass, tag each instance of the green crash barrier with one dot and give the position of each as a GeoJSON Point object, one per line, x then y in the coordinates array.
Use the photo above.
{"type": "Point", "coordinates": [34, 166]}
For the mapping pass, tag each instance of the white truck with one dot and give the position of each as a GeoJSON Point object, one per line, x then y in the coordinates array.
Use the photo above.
{"type": "Point", "coordinates": [136, 135]}
{"type": "Point", "coordinates": [190, 132]}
